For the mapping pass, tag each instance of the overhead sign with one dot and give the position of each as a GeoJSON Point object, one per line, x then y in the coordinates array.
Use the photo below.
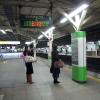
{"type": "Point", "coordinates": [36, 21]}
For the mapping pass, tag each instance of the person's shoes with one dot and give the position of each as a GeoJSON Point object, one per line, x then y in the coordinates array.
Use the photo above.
{"type": "Point", "coordinates": [31, 82]}
{"type": "Point", "coordinates": [56, 82]}
{"type": "Point", "coordinates": [27, 81]}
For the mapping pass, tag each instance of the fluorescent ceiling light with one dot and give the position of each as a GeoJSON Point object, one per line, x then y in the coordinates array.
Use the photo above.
{"type": "Point", "coordinates": [50, 29]}
{"type": "Point", "coordinates": [27, 43]}
{"type": "Point", "coordinates": [9, 42]}
{"type": "Point", "coordinates": [75, 12]}
{"type": "Point", "coordinates": [9, 30]}
{"type": "Point", "coordinates": [3, 31]}
{"type": "Point", "coordinates": [41, 36]}
{"type": "Point", "coordinates": [46, 32]}
{"type": "Point", "coordinates": [63, 20]}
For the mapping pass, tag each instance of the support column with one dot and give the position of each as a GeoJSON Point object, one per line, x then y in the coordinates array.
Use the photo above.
{"type": "Point", "coordinates": [34, 45]}
{"type": "Point", "coordinates": [35, 51]}
{"type": "Point", "coordinates": [50, 50]}
{"type": "Point", "coordinates": [50, 37]}
{"type": "Point", "coordinates": [79, 72]}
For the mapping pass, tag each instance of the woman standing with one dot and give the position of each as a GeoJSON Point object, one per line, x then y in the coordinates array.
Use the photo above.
{"type": "Point", "coordinates": [55, 71]}
{"type": "Point", "coordinates": [29, 67]}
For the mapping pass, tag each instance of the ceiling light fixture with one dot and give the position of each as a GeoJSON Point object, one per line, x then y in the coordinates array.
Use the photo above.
{"type": "Point", "coordinates": [75, 12]}
{"type": "Point", "coordinates": [3, 31]}
{"type": "Point", "coordinates": [28, 43]}
{"type": "Point", "coordinates": [50, 29]}
{"type": "Point", "coordinates": [41, 36]}
{"type": "Point", "coordinates": [9, 30]}
{"type": "Point", "coordinates": [46, 32]}
{"type": "Point", "coordinates": [10, 42]}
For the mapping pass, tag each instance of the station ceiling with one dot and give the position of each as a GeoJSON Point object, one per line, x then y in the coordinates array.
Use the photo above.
{"type": "Point", "coordinates": [11, 10]}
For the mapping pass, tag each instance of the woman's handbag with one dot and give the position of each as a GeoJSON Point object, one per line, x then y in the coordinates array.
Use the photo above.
{"type": "Point", "coordinates": [59, 64]}
{"type": "Point", "coordinates": [29, 59]}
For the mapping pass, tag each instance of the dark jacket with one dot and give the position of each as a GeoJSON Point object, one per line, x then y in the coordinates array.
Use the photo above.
{"type": "Point", "coordinates": [55, 57]}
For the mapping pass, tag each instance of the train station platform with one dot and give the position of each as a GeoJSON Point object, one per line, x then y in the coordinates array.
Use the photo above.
{"type": "Point", "coordinates": [14, 87]}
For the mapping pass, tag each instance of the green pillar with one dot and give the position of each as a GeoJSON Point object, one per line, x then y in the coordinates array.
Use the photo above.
{"type": "Point", "coordinates": [79, 72]}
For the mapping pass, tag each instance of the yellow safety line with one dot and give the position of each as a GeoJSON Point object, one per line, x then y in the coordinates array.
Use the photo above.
{"type": "Point", "coordinates": [89, 77]}
{"type": "Point", "coordinates": [93, 78]}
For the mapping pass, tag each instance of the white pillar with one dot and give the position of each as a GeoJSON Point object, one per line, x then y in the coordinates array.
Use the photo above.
{"type": "Point", "coordinates": [50, 45]}
{"type": "Point", "coordinates": [34, 44]}
{"type": "Point", "coordinates": [50, 48]}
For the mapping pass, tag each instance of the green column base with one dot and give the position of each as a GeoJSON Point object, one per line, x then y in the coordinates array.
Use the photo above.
{"type": "Point", "coordinates": [79, 74]}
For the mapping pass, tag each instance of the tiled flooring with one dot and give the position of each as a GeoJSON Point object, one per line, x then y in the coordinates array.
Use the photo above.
{"type": "Point", "coordinates": [13, 86]}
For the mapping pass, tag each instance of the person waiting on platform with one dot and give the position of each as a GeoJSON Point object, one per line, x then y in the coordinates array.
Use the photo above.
{"type": "Point", "coordinates": [55, 70]}
{"type": "Point", "coordinates": [29, 67]}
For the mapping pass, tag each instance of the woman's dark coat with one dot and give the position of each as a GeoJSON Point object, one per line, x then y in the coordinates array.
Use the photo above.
{"type": "Point", "coordinates": [55, 57]}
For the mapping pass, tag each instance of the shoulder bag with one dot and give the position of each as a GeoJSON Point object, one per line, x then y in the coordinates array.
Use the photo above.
{"type": "Point", "coordinates": [29, 59]}
{"type": "Point", "coordinates": [59, 64]}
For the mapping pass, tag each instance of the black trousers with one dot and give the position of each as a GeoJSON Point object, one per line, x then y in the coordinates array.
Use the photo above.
{"type": "Point", "coordinates": [55, 74]}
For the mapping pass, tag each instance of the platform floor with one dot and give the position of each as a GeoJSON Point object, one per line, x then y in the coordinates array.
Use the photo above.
{"type": "Point", "coordinates": [14, 87]}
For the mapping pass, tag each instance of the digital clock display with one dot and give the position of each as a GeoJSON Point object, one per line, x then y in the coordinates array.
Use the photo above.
{"type": "Point", "coordinates": [34, 21]}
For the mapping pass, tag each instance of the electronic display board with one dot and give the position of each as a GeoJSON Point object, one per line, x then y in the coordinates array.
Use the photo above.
{"type": "Point", "coordinates": [36, 21]}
